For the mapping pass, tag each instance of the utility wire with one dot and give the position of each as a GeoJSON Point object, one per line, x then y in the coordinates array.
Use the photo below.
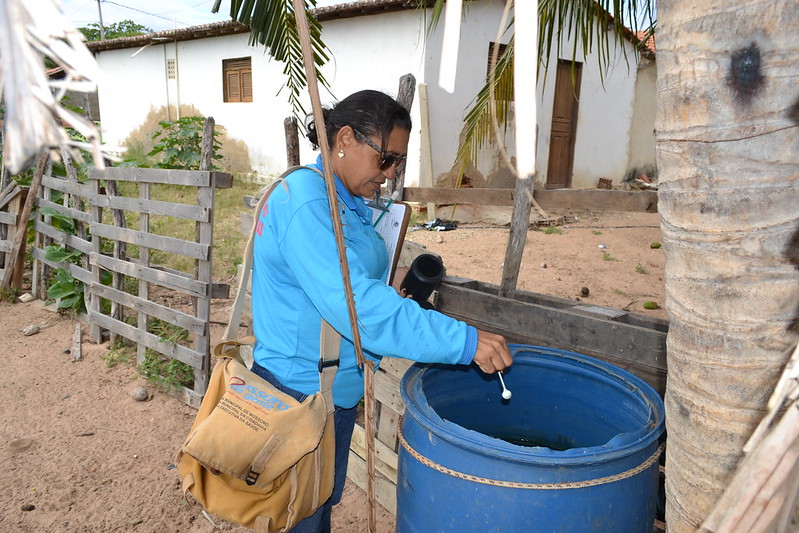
{"type": "Point", "coordinates": [145, 12]}
{"type": "Point", "coordinates": [185, 8]}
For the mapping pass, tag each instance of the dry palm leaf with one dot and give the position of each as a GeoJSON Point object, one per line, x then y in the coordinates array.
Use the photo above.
{"type": "Point", "coordinates": [34, 119]}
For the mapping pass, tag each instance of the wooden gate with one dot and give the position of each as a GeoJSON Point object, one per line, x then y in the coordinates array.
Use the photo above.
{"type": "Point", "coordinates": [141, 292]}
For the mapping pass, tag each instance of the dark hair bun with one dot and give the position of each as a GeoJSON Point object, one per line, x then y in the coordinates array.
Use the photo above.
{"type": "Point", "coordinates": [310, 127]}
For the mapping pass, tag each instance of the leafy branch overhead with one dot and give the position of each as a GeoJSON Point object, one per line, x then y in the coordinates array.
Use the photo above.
{"type": "Point", "coordinates": [273, 24]}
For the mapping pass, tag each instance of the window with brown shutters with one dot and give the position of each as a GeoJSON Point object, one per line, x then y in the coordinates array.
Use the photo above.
{"type": "Point", "coordinates": [237, 79]}
{"type": "Point", "coordinates": [498, 49]}
{"type": "Point", "coordinates": [493, 48]}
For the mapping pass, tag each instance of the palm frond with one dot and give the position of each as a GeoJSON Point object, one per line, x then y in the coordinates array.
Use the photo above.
{"type": "Point", "coordinates": [479, 129]}
{"type": "Point", "coordinates": [592, 26]}
{"type": "Point", "coordinates": [34, 118]}
{"type": "Point", "coordinates": [273, 24]}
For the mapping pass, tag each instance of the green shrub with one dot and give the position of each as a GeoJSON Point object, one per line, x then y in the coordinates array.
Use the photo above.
{"type": "Point", "coordinates": [180, 143]}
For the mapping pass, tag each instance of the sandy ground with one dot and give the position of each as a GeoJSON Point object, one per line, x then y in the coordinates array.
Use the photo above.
{"type": "Point", "coordinates": [81, 455]}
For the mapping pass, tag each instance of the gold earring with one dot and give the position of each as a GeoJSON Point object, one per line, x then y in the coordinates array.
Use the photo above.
{"type": "Point", "coordinates": [341, 153]}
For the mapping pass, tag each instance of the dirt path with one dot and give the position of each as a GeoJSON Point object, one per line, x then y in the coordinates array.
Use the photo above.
{"type": "Point", "coordinates": [83, 456]}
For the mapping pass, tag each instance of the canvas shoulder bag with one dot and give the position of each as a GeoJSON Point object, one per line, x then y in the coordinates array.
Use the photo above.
{"type": "Point", "coordinates": [255, 455]}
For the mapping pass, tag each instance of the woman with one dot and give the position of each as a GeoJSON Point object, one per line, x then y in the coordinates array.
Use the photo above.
{"type": "Point", "coordinates": [297, 277]}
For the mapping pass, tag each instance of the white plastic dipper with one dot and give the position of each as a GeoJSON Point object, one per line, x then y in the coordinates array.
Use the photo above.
{"type": "Point", "coordinates": [506, 394]}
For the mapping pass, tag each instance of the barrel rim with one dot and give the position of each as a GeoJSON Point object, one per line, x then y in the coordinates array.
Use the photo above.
{"type": "Point", "coordinates": [477, 442]}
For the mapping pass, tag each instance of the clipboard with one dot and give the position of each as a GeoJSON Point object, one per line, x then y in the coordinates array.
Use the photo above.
{"type": "Point", "coordinates": [392, 227]}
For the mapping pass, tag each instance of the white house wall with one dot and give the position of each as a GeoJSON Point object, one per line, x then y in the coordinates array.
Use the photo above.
{"type": "Point", "coordinates": [371, 51]}
{"type": "Point", "coordinates": [642, 135]}
{"type": "Point", "coordinates": [448, 111]}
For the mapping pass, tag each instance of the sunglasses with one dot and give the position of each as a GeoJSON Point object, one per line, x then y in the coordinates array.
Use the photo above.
{"type": "Point", "coordinates": [386, 160]}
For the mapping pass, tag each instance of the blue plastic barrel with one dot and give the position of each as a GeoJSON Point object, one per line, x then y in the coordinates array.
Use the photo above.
{"type": "Point", "coordinates": [576, 448]}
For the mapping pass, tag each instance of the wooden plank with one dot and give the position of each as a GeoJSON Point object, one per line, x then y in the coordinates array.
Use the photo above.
{"type": "Point", "coordinates": [520, 221]}
{"type": "Point", "coordinates": [246, 223]}
{"type": "Point", "coordinates": [187, 396]}
{"type": "Point", "coordinates": [144, 256]}
{"type": "Point", "coordinates": [395, 366]}
{"type": "Point", "coordinates": [562, 303]}
{"type": "Point", "coordinates": [183, 284]}
{"type": "Point", "coordinates": [172, 316]}
{"type": "Point", "coordinates": [222, 180]}
{"type": "Point", "coordinates": [22, 227]}
{"type": "Point", "coordinates": [597, 199]}
{"type": "Point", "coordinates": [9, 219]}
{"type": "Point", "coordinates": [64, 239]}
{"type": "Point", "coordinates": [638, 349]}
{"type": "Point", "coordinates": [387, 392]}
{"type": "Point", "coordinates": [386, 458]}
{"type": "Point", "coordinates": [66, 186]}
{"type": "Point", "coordinates": [9, 193]}
{"type": "Point", "coordinates": [192, 178]}
{"type": "Point", "coordinates": [166, 244]}
{"type": "Point", "coordinates": [66, 211]}
{"type": "Point", "coordinates": [440, 195]}
{"type": "Point", "coordinates": [152, 207]}
{"type": "Point", "coordinates": [5, 246]}
{"type": "Point", "coordinates": [387, 425]}
{"type": "Point", "coordinates": [175, 351]}
{"type": "Point", "coordinates": [76, 271]}
{"type": "Point", "coordinates": [385, 490]}
{"type": "Point", "coordinates": [203, 273]}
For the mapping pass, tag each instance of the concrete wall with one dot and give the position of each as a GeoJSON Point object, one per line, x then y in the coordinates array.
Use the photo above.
{"type": "Point", "coordinates": [641, 158]}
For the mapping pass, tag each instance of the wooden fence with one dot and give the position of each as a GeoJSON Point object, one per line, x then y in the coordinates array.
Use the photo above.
{"type": "Point", "coordinates": [141, 293]}
{"type": "Point", "coordinates": [11, 199]}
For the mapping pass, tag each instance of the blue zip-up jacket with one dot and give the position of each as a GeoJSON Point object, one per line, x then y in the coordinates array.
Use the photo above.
{"type": "Point", "coordinates": [296, 281]}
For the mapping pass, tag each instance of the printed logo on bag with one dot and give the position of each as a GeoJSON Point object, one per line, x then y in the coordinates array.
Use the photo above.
{"type": "Point", "coordinates": [258, 397]}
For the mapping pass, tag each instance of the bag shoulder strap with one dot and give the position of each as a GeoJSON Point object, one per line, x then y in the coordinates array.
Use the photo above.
{"type": "Point", "coordinates": [329, 338]}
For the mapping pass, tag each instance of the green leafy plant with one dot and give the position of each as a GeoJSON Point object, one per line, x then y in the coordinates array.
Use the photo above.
{"type": "Point", "coordinates": [596, 232]}
{"type": "Point", "coordinates": [607, 257]}
{"type": "Point", "coordinates": [123, 28]}
{"type": "Point", "coordinates": [651, 305]}
{"type": "Point", "coordinates": [552, 230]}
{"type": "Point", "coordinates": [9, 295]}
{"type": "Point", "coordinates": [167, 332]}
{"type": "Point", "coordinates": [59, 220]}
{"type": "Point", "coordinates": [67, 290]}
{"type": "Point", "coordinates": [641, 270]}
{"type": "Point", "coordinates": [180, 144]}
{"type": "Point", "coordinates": [164, 372]}
{"type": "Point", "coordinates": [59, 254]}
{"type": "Point", "coordinates": [120, 353]}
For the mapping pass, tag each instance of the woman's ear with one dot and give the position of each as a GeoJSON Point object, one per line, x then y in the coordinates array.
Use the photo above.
{"type": "Point", "coordinates": [345, 138]}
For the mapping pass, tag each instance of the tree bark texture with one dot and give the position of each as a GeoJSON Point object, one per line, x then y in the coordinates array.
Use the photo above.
{"type": "Point", "coordinates": [728, 161]}
{"type": "Point", "coordinates": [292, 142]}
{"type": "Point", "coordinates": [405, 94]}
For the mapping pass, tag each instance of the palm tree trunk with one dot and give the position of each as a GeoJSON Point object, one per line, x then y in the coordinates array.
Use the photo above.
{"type": "Point", "coordinates": [728, 159]}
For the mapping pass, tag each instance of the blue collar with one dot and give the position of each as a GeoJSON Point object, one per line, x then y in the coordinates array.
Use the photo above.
{"type": "Point", "coordinates": [354, 203]}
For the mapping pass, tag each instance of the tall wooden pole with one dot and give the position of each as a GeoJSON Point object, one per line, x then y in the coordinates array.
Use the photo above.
{"type": "Point", "coordinates": [292, 142]}
{"type": "Point", "coordinates": [407, 88]}
{"type": "Point", "coordinates": [524, 86]}
{"type": "Point", "coordinates": [368, 366]}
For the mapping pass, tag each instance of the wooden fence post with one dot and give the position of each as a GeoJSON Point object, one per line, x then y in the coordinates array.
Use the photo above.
{"type": "Point", "coordinates": [407, 88]}
{"type": "Point", "coordinates": [23, 226]}
{"type": "Point", "coordinates": [292, 142]}
{"type": "Point", "coordinates": [520, 222]}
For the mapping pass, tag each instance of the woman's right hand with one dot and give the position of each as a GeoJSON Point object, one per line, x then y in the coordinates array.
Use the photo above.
{"type": "Point", "coordinates": [492, 352]}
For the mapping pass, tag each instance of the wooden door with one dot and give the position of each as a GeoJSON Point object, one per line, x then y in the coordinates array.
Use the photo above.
{"type": "Point", "coordinates": [564, 125]}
